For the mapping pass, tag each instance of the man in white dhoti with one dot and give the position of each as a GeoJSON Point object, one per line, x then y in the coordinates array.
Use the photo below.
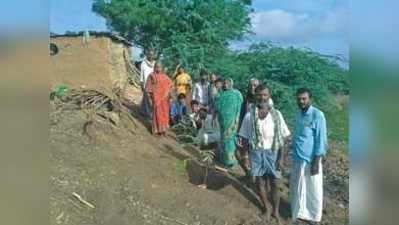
{"type": "Point", "coordinates": [308, 147]}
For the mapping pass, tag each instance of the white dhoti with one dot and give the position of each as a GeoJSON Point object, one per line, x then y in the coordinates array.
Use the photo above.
{"type": "Point", "coordinates": [306, 192]}
{"type": "Point", "coordinates": [209, 138]}
{"type": "Point", "coordinates": [209, 134]}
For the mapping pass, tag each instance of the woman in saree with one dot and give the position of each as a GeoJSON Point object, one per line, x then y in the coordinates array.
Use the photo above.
{"type": "Point", "coordinates": [227, 111]}
{"type": "Point", "coordinates": [159, 88]}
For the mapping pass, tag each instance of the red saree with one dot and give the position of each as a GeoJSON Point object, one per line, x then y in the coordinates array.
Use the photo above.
{"type": "Point", "coordinates": [158, 87]}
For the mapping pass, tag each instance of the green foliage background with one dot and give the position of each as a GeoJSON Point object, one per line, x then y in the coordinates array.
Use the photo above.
{"type": "Point", "coordinates": [197, 34]}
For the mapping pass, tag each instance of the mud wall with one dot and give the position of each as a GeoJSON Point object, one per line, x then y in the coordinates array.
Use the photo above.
{"type": "Point", "coordinates": [96, 64]}
{"type": "Point", "coordinates": [118, 69]}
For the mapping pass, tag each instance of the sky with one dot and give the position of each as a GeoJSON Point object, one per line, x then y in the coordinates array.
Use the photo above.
{"type": "Point", "coordinates": [67, 15]}
{"type": "Point", "coordinates": [321, 25]}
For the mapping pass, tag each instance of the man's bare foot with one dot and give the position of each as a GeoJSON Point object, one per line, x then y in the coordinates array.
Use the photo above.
{"type": "Point", "coordinates": [278, 219]}
{"type": "Point", "coordinates": [266, 214]}
{"type": "Point", "coordinates": [276, 215]}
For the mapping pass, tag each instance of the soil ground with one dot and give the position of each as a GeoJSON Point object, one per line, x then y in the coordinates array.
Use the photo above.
{"type": "Point", "coordinates": [135, 178]}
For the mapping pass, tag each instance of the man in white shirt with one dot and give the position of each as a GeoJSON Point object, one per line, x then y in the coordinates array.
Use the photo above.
{"type": "Point", "coordinates": [146, 68]}
{"type": "Point", "coordinates": [201, 90]}
{"type": "Point", "coordinates": [262, 134]}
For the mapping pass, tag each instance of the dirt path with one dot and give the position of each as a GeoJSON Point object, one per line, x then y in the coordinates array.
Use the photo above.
{"type": "Point", "coordinates": [139, 179]}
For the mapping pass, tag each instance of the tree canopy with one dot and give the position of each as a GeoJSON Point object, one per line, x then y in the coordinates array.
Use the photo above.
{"type": "Point", "coordinates": [186, 31]}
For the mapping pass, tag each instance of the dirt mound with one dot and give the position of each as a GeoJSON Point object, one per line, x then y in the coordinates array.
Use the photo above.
{"type": "Point", "coordinates": [135, 178]}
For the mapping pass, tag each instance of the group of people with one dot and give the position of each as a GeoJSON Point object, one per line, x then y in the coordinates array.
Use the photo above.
{"type": "Point", "coordinates": [249, 131]}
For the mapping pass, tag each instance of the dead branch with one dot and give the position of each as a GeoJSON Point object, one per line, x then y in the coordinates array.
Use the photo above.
{"type": "Point", "coordinates": [83, 200]}
{"type": "Point", "coordinates": [134, 74]}
{"type": "Point", "coordinates": [99, 105]}
{"type": "Point", "coordinates": [172, 220]}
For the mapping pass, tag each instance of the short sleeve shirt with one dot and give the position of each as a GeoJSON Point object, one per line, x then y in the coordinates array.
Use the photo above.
{"type": "Point", "coordinates": [266, 128]}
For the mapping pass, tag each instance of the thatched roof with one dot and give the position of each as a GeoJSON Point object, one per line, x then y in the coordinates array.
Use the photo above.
{"type": "Point", "coordinates": [114, 36]}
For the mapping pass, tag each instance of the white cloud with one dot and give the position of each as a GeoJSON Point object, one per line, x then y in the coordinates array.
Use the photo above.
{"type": "Point", "coordinates": [308, 6]}
{"type": "Point", "coordinates": [283, 25]}
{"type": "Point", "coordinates": [277, 23]}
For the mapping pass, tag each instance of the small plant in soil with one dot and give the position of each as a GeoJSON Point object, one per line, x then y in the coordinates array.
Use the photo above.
{"type": "Point", "coordinates": [207, 157]}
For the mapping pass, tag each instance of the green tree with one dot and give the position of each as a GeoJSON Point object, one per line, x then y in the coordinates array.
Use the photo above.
{"type": "Point", "coordinates": [185, 31]}
{"type": "Point", "coordinates": [287, 69]}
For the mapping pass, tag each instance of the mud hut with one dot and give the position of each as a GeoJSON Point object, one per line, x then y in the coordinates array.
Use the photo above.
{"type": "Point", "coordinates": [93, 60]}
